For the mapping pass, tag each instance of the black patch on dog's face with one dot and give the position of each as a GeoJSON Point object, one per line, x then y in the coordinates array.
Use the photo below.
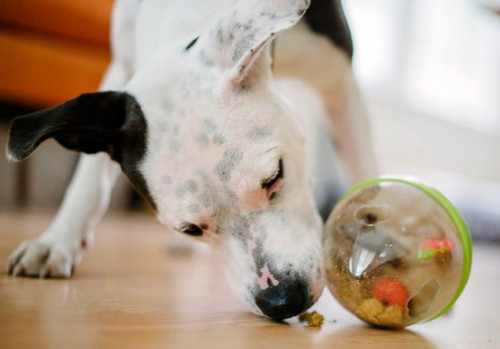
{"type": "Point", "coordinates": [109, 121]}
{"type": "Point", "coordinates": [327, 17]}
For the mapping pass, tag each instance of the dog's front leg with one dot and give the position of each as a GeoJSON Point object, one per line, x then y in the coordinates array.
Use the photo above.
{"type": "Point", "coordinates": [60, 247]}
{"type": "Point", "coordinates": [350, 124]}
{"type": "Point", "coordinates": [303, 54]}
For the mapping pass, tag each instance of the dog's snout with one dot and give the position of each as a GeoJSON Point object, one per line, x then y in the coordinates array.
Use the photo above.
{"type": "Point", "coordinates": [285, 300]}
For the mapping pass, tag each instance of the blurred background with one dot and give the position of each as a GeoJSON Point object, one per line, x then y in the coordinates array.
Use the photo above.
{"type": "Point", "coordinates": [429, 71]}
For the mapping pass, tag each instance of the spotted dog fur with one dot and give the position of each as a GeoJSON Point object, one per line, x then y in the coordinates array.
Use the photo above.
{"type": "Point", "coordinates": [225, 150]}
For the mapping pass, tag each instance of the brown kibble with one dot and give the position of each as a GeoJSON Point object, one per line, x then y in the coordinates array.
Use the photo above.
{"type": "Point", "coordinates": [313, 318]}
{"type": "Point", "coordinates": [373, 311]}
{"type": "Point", "coordinates": [369, 308]}
{"type": "Point", "coordinates": [392, 316]}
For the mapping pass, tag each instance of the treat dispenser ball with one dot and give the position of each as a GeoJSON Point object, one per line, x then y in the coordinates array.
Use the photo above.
{"type": "Point", "coordinates": [397, 252]}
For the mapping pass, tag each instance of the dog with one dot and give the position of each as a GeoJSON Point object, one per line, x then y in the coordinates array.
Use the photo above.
{"type": "Point", "coordinates": [223, 130]}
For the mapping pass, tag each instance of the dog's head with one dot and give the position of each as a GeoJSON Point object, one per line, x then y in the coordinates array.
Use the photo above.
{"type": "Point", "coordinates": [204, 137]}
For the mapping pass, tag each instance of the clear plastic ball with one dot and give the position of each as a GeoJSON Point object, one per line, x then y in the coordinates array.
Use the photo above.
{"type": "Point", "coordinates": [397, 252]}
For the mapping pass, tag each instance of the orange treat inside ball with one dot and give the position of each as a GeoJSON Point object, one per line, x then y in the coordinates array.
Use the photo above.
{"type": "Point", "coordinates": [390, 292]}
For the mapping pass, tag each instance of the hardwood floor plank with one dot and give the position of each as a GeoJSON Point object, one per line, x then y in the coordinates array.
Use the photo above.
{"type": "Point", "coordinates": [129, 293]}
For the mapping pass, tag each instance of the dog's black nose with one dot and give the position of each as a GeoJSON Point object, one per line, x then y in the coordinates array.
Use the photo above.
{"type": "Point", "coordinates": [285, 300]}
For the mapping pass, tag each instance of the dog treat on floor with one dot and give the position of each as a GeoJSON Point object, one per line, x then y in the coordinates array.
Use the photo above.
{"type": "Point", "coordinates": [398, 252]}
{"type": "Point", "coordinates": [313, 318]}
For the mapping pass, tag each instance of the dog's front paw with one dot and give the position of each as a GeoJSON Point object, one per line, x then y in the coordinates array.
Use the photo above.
{"type": "Point", "coordinates": [42, 258]}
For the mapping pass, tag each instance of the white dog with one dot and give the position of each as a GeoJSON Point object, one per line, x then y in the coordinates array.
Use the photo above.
{"type": "Point", "coordinates": [222, 144]}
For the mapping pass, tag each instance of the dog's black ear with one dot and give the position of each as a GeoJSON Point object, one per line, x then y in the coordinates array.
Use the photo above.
{"type": "Point", "coordinates": [238, 39]}
{"type": "Point", "coordinates": [90, 123]}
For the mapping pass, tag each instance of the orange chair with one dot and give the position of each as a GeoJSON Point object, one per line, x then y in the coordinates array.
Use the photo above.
{"type": "Point", "coordinates": [52, 50]}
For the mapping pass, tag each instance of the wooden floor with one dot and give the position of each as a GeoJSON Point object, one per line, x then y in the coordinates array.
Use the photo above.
{"type": "Point", "coordinates": [128, 293]}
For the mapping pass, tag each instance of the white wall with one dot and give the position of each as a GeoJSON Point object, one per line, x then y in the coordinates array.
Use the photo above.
{"type": "Point", "coordinates": [430, 71]}
{"type": "Point", "coordinates": [410, 142]}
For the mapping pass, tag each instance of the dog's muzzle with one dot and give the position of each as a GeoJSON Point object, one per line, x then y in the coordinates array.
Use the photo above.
{"type": "Point", "coordinates": [285, 300]}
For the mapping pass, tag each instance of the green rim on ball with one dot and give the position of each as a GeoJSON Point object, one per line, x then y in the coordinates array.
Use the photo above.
{"type": "Point", "coordinates": [448, 206]}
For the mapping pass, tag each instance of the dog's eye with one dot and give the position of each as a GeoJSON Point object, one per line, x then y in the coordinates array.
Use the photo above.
{"type": "Point", "coordinates": [273, 183]}
{"type": "Point", "coordinates": [191, 229]}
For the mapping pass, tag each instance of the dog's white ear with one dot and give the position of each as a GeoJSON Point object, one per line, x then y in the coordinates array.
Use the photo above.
{"type": "Point", "coordinates": [237, 41]}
